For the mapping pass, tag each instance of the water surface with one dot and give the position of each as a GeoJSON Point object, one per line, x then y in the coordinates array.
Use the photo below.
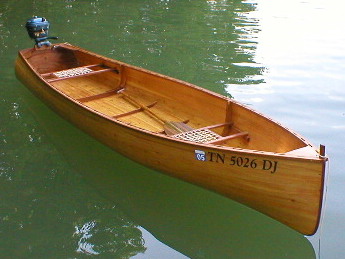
{"type": "Point", "coordinates": [64, 195]}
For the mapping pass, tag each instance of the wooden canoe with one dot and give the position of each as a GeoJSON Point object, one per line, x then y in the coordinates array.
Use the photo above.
{"type": "Point", "coordinates": [213, 141]}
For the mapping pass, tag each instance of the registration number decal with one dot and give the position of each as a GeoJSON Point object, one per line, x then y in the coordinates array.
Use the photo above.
{"type": "Point", "coordinates": [238, 161]}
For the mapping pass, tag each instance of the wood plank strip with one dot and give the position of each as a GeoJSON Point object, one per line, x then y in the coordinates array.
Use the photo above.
{"type": "Point", "coordinates": [185, 127]}
{"type": "Point", "coordinates": [228, 118]}
{"type": "Point", "coordinates": [87, 74]}
{"type": "Point", "coordinates": [88, 66]}
{"type": "Point", "coordinates": [163, 131]}
{"type": "Point", "coordinates": [98, 96]}
{"type": "Point", "coordinates": [134, 111]}
{"type": "Point", "coordinates": [222, 139]}
{"type": "Point", "coordinates": [218, 125]}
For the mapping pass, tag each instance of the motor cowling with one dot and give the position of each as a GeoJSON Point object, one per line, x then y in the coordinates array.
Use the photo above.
{"type": "Point", "coordinates": [38, 29]}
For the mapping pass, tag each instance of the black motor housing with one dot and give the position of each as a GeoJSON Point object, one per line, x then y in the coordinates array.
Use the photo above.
{"type": "Point", "coordinates": [38, 28]}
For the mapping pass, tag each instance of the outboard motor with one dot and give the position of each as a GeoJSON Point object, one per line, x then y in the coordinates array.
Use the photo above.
{"type": "Point", "coordinates": [37, 28]}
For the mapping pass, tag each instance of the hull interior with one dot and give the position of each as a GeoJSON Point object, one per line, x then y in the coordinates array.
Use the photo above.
{"type": "Point", "coordinates": [125, 93]}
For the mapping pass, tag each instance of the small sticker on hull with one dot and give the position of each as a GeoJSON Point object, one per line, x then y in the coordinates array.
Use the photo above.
{"type": "Point", "coordinates": [200, 155]}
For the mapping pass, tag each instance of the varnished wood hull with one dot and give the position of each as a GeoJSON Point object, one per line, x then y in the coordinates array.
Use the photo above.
{"type": "Point", "coordinates": [284, 184]}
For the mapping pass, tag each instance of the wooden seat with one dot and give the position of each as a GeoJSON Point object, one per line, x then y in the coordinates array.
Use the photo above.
{"type": "Point", "coordinates": [198, 136]}
{"type": "Point", "coordinates": [77, 72]}
{"type": "Point", "coordinates": [205, 135]}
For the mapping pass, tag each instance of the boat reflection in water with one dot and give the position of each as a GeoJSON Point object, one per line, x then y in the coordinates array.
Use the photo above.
{"type": "Point", "coordinates": [191, 220]}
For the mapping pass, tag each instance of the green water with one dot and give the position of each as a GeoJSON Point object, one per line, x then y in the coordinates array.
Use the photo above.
{"type": "Point", "coordinates": [64, 195]}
